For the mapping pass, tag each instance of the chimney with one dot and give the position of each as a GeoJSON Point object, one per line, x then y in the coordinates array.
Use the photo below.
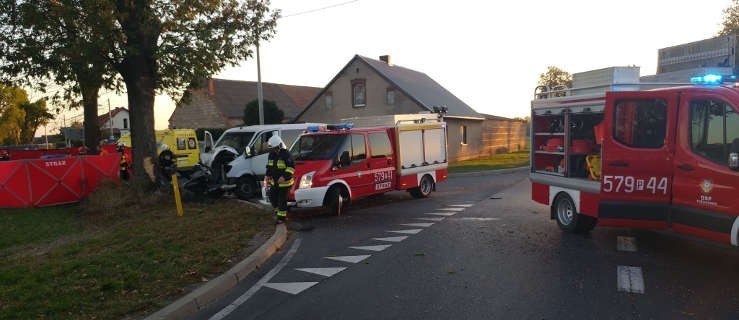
{"type": "Point", "coordinates": [211, 88]}
{"type": "Point", "coordinates": [386, 59]}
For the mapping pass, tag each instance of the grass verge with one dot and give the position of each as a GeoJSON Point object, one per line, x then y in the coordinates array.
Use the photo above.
{"type": "Point", "coordinates": [493, 162]}
{"type": "Point", "coordinates": [64, 262]}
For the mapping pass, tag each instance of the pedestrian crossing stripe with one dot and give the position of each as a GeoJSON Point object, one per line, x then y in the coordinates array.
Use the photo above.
{"type": "Point", "coordinates": [391, 239]}
{"type": "Point", "coordinates": [326, 272]}
{"type": "Point", "coordinates": [409, 231]}
{"type": "Point", "coordinates": [373, 248]}
{"type": "Point", "coordinates": [291, 287]}
{"type": "Point", "coordinates": [350, 259]}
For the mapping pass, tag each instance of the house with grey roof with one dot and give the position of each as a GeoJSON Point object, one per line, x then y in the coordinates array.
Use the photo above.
{"type": "Point", "coordinates": [220, 103]}
{"type": "Point", "coordinates": [367, 87]}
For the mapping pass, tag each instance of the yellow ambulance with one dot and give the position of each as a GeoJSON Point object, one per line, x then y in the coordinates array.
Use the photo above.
{"type": "Point", "coordinates": [182, 142]}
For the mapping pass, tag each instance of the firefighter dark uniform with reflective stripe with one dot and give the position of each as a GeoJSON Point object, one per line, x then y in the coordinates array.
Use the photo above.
{"type": "Point", "coordinates": [279, 178]}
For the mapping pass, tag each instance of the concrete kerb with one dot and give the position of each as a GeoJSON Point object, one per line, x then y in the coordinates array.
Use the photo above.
{"type": "Point", "coordinates": [488, 172]}
{"type": "Point", "coordinates": [196, 300]}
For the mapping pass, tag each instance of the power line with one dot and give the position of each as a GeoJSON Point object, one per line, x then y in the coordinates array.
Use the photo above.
{"type": "Point", "coordinates": [319, 9]}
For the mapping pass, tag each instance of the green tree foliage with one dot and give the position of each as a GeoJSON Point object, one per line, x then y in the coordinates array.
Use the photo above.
{"type": "Point", "coordinates": [166, 45]}
{"type": "Point", "coordinates": [59, 48]}
{"type": "Point", "coordinates": [154, 45]}
{"type": "Point", "coordinates": [554, 79]}
{"type": "Point", "coordinates": [731, 19]}
{"type": "Point", "coordinates": [19, 118]}
{"type": "Point", "coordinates": [272, 114]}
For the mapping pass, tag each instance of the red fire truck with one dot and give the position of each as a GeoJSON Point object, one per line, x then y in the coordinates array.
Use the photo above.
{"type": "Point", "coordinates": [664, 158]}
{"type": "Point", "coordinates": [338, 163]}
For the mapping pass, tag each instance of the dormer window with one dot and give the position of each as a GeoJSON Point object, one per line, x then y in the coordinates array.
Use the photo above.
{"type": "Point", "coordinates": [359, 93]}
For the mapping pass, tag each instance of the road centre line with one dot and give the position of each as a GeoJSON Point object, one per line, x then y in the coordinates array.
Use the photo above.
{"type": "Point", "coordinates": [392, 239]}
{"type": "Point", "coordinates": [477, 219]}
{"type": "Point", "coordinates": [461, 205]}
{"type": "Point", "coordinates": [409, 231]}
{"type": "Point", "coordinates": [350, 259]}
{"type": "Point", "coordinates": [265, 279]}
{"type": "Point", "coordinates": [326, 272]}
{"type": "Point", "coordinates": [629, 279]}
{"type": "Point", "coordinates": [452, 209]}
{"type": "Point", "coordinates": [373, 248]}
{"type": "Point", "coordinates": [432, 219]}
{"type": "Point", "coordinates": [423, 225]}
{"type": "Point", "coordinates": [290, 287]}
{"type": "Point", "coordinates": [446, 214]}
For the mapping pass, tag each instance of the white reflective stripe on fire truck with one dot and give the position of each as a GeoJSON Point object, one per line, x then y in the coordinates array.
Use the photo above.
{"type": "Point", "coordinates": [735, 232]}
{"type": "Point", "coordinates": [574, 194]}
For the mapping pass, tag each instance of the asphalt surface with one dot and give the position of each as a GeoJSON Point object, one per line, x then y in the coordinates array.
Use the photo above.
{"type": "Point", "coordinates": [495, 255]}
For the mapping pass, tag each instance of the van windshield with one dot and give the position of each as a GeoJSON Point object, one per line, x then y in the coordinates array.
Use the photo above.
{"type": "Point", "coordinates": [316, 147]}
{"type": "Point", "coordinates": [236, 140]}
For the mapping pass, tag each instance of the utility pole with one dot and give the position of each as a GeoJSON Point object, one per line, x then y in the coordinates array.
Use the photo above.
{"type": "Point", "coordinates": [259, 88]}
{"type": "Point", "coordinates": [110, 120]}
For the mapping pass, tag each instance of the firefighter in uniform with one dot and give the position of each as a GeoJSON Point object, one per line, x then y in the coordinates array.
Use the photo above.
{"type": "Point", "coordinates": [167, 164]}
{"type": "Point", "coordinates": [124, 161]}
{"type": "Point", "coordinates": [279, 177]}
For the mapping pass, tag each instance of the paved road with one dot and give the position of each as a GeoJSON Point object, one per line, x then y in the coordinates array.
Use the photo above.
{"type": "Point", "coordinates": [493, 254]}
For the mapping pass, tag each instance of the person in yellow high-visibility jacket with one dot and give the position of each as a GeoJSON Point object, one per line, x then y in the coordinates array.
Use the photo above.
{"type": "Point", "coordinates": [279, 177]}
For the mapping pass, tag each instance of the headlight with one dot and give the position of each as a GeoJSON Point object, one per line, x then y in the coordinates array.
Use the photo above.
{"type": "Point", "coordinates": [306, 181]}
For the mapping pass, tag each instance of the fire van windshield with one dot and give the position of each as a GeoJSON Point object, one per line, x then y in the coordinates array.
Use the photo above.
{"type": "Point", "coordinates": [317, 147]}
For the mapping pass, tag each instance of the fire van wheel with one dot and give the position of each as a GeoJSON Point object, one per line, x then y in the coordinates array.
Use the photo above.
{"type": "Point", "coordinates": [566, 214]}
{"type": "Point", "coordinates": [336, 201]}
{"type": "Point", "coordinates": [246, 188]}
{"type": "Point", "coordinates": [424, 188]}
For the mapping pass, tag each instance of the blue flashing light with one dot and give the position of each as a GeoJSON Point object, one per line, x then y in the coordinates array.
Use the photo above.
{"type": "Point", "coordinates": [312, 128]}
{"type": "Point", "coordinates": [707, 79]}
{"type": "Point", "coordinates": [340, 126]}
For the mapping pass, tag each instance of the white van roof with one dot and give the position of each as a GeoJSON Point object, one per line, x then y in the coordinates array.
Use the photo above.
{"type": "Point", "coordinates": [284, 126]}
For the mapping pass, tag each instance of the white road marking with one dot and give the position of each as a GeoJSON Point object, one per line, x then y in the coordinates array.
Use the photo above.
{"type": "Point", "coordinates": [424, 225]}
{"type": "Point", "coordinates": [291, 287]}
{"type": "Point", "coordinates": [461, 205]}
{"type": "Point", "coordinates": [627, 244]}
{"type": "Point", "coordinates": [630, 279]}
{"type": "Point", "coordinates": [431, 219]}
{"type": "Point", "coordinates": [446, 214]}
{"type": "Point", "coordinates": [735, 232]}
{"type": "Point", "coordinates": [391, 239]}
{"type": "Point", "coordinates": [249, 293]}
{"type": "Point", "coordinates": [350, 259]}
{"type": "Point", "coordinates": [409, 231]}
{"type": "Point", "coordinates": [477, 219]}
{"type": "Point", "coordinates": [373, 248]}
{"type": "Point", "coordinates": [326, 272]}
{"type": "Point", "coordinates": [452, 209]}
{"type": "Point", "coordinates": [497, 196]}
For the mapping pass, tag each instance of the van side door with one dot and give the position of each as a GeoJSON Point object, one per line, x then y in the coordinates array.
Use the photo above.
{"type": "Point", "coordinates": [705, 191]}
{"type": "Point", "coordinates": [260, 151]}
{"type": "Point", "coordinates": [637, 159]}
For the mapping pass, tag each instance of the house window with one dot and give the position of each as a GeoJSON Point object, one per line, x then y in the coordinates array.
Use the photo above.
{"type": "Point", "coordinates": [125, 123]}
{"type": "Point", "coordinates": [463, 134]}
{"type": "Point", "coordinates": [390, 97]}
{"type": "Point", "coordinates": [329, 100]}
{"type": "Point", "coordinates": [359, 93]}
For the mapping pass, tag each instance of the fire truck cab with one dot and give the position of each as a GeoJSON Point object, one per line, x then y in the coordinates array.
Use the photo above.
{"type": "Point", "coordinates": [335, 164]}
{"type": "Point", "coordinates": [664, 158]}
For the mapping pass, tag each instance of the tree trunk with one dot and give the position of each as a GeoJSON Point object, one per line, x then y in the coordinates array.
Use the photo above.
{"type": "Point", "coordinates": [140, 84]}
{"type": "Point", "coordinates": [91, 125]}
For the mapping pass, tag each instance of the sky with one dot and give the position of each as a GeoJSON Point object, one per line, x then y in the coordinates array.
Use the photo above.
{"type": "Point", "coordinates": [488, 53]}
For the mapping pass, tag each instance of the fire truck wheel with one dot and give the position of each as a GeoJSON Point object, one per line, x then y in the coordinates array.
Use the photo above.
{"type": "Point", "coordinates": [336, 200]}
{"type": "Point", "coordinates": [566, 213]}
{"type": "Point", "coordinates": [246, 188]}
{"type": "Point", "coordinates": [424, 188]}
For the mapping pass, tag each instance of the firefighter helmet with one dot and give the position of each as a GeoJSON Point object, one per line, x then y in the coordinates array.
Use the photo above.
{"type": "Point", "coordinates": [274, 141]}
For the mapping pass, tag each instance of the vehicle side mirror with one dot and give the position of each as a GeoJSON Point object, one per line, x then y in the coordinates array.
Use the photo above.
{"type": "Point", "coordinates": [344, 159]}
{"type": "Point", "coordinates": [247, 152]}
{"type": "Point", "coordinates": [734, 155]}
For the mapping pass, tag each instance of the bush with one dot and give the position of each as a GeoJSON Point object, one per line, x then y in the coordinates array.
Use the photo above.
{"type": "Point", "coordinates": [114, 198]}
